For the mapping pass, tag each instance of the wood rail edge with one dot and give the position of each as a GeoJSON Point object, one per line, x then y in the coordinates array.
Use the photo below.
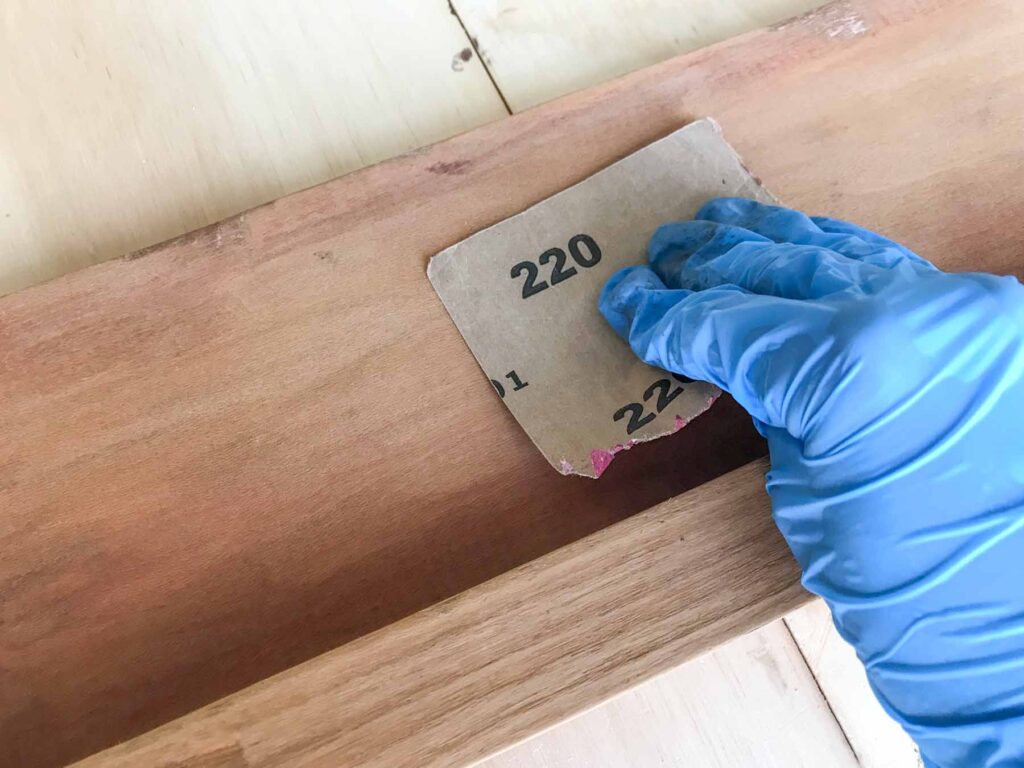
{"type": "Point", "coordinates": [495, 664]}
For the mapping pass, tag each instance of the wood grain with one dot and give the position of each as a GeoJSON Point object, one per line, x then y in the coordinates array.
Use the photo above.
{"type": "Point", "coordinates": [265, 439]}
{"type": "Point", "coordinates": [498, 663]}
{"type": "Point", "coordinates": [152, 119]}
{"type": "Point", "coordinates": [750, 702]}
{"type": "Point", "coordinates": [538, 50]}
{"type": "Point", "coordinates": [123, 124]}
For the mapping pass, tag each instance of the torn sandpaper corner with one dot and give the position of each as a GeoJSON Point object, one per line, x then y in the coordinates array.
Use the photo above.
{"type": "Point", "coordinates": [524, 295]}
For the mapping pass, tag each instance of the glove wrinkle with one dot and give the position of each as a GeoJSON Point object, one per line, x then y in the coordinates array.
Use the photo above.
{"type": "Point", "coordinates": [891, 395]}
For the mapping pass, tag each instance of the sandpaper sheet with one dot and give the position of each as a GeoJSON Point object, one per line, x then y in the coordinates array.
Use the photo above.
{"type": "Point", "coordinates": [524, 293]}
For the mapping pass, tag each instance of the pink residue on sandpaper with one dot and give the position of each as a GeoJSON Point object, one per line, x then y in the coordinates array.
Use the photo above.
{"type": "Point", "coordinates": [602, 457]}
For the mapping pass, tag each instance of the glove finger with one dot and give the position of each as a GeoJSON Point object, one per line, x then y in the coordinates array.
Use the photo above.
{"type": "Point", "coordinates": [784, 225]}
{"type": "Point", "coordinates": [624, 292]}
{"type": "Point", "coordinates": [698, 255]}
{"type": "Point", "coordinates": [781, 225]}
{"type": "Point", "coordinates": [674, 246]}
{"type": "Point", "coordinates": [844, 228]}
{"type": "Point", "coordinates": [742, 342]}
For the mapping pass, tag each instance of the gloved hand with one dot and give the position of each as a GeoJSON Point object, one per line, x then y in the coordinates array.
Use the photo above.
{"type": "Point", "coordinates": [892, 398]}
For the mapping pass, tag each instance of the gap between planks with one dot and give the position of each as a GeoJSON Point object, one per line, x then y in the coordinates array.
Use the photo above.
{"type": "Point", "coordinates": [475, 45]}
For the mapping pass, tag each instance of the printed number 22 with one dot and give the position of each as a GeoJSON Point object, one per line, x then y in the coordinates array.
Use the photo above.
{"type": "Point", "coordinates": [559, 273]}
{"type": "Point", "coordinates": [665, 393]}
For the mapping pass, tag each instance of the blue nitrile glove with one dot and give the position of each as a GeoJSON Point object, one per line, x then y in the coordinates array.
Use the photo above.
{"type": "Point", "coordinates": [892, 398]}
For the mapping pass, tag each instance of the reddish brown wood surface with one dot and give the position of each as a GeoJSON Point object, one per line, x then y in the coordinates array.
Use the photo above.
{"type": "Point", "coordinates": [266, 438]}
{"type": "Point", "coordinates": [494, 665]}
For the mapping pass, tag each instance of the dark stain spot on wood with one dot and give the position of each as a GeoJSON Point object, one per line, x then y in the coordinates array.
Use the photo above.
{"type": "Point", "coordinates": [326, 256]}
{"type": "Point", "coordinates": [454, 168]}
{"type": "Point", "coordinates": [459, 59]}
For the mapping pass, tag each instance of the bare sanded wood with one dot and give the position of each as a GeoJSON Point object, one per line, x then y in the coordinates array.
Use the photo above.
{"type": "Point", "coordinates": [876, 738]}
{"type": "Point", "coordinates": [499, 662]}
{"type": "Point", "coordinates": [266, 438]}
{"type": "Point", "coordinates": [750, 702]}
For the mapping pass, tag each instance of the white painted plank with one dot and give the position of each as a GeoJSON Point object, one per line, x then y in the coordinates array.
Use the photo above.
{"type": "Point", "coordinates": [537, 50]}
{"type": "Point", "coordinates": [125, 123]}
{"type": "Point", "coordinates": [876, 739]}
{"type": "Point", "coordinates": [751, 702]}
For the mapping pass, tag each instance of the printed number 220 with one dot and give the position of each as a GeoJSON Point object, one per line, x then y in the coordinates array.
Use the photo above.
{"type": "Point", "coordinates": [665, 393]}
{"type": "Point", "coordinates": [559, 273]}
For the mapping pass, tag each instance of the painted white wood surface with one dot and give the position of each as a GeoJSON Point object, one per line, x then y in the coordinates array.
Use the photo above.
{"type": "Point", "coordinates": [876, 739]}
{"type": "Point", "coordinates": [126, 123]}
{"type": "Point", "coordinates": [752, 702]}
{"type": "Point", "coordinates": [537, 49]}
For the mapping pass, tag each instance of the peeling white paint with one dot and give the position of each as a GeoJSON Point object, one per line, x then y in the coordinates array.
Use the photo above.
{"type": "Point", "coordinates": [846, 25]}
{"type": "Point", "coordinates": [835, 21]}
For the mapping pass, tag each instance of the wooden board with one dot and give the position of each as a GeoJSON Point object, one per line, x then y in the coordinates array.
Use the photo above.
{"type": "Point", "coordinates": [318, 108]}
{"type": "Point", "coordinates": [501, 661]}
{"type": "Point", "coordinates": [271, 99]}
{"type": "Point", "coordinates": [752, 702]}
{"type": "Point", "coordinates": [231, 81]}
{"type": "Point", "coordinates": [195, 492]}
{"type": "Point", "coordinates": [537, 50]}
{"type": "Point", "coordinates": [126, 124]}
{"type": "Point", "coordinates": [876, 739]}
